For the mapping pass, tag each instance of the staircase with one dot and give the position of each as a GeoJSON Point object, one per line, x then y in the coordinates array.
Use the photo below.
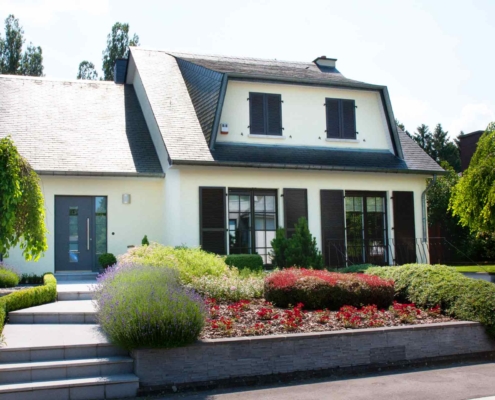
{"type": "Point", "coordinates": [56, 351]}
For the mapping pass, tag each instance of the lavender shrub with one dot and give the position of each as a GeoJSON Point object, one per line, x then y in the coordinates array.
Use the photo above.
{"type": "Point", "coordinates": [145, 306]}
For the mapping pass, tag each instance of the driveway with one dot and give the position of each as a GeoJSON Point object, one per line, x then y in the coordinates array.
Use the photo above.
{"type": "Point", "coordinates": [457, 382]}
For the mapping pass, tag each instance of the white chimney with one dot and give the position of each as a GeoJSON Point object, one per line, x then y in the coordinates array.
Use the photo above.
{"type": "Point", "coordinates": [325, 62]}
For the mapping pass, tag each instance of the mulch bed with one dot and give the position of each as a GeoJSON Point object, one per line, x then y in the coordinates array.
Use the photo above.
{"type": "Point", "coordinates": [257, 317]}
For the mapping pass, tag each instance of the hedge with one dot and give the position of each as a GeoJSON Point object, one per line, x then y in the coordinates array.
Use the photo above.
{"type": "Point", "coordinates": [428, 285]}
{"type": "Point", "coordinates": [8, 278]}
{"type": "Point", "coordinates": [322, 289]}
{"type": "Point", "coordinates": [28, 297]}
{"type": "Point", "coordinates": [254, 262]}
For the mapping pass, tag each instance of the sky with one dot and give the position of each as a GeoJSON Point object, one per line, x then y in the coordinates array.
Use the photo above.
{"type": "Point", "coordinates": [435, 56]}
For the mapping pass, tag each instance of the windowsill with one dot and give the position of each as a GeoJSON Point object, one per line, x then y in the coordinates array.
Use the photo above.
{"type": "Point", "coordinates": [342, 140]}
{"type": "Point", "coordinates": [268, 136]}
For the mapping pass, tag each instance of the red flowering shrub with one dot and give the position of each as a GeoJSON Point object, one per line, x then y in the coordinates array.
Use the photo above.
{"type": "Point", "coordinates": [363, 317]}
{"type": "Point", "coordinates": [322, 289]}
{"type": "Point", "coordinates": [293, 319]}
{"type": "Point", "coordinates": [405, 312]}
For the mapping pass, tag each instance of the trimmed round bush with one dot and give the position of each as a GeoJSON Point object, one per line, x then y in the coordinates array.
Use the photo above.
{"type": "Point", "coordinates": [145, 306]}
{"type": "Point", "coordinates": [430, 285]}
{"type": "Point", "coordinates": [322, 289]}
{"type": "Point", "coordinates": [107, 260]}
{"type": "Point", "coordinates": [8, 278]}
{"type": "Point", "coordinates": [253, 262]}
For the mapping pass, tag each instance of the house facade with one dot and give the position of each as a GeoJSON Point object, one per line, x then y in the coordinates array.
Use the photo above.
{"type": "Point", "coordinates": [218, 152]}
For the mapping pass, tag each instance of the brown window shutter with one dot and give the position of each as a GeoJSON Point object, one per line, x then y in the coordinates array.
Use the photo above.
{"type": "Point", "coordinates": [333, 118]}
{"type": "Point", "coordinates": [348, 119]}
{"type": "Point", "coordinates": [212, 219]}
{"type": "Point", "coordinates": [404, 232]}
{"type": "Point", "coordinates": [274, 114]}
{"type": "Point", "coordinates": [257, 114]}
{"type": "Point", "coordinates": [295, 207]}
{"type": "Point", "coordinates": [332, 226]}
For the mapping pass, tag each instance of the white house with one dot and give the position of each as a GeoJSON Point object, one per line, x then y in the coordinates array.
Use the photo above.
{"type": "Point", "coordinates": [217, 151]}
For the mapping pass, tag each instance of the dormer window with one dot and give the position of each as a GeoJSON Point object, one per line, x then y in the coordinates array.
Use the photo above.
{"type": "Point", "coordinates": [341, 118]}
{"type": "Point", "coordinates": [265, 114]}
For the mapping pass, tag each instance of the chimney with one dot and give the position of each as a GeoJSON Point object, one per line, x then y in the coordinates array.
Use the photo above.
{"type": "Point", "coordinates": [325, 64]}
{"type": "Point", "coordinates": [120, 70]}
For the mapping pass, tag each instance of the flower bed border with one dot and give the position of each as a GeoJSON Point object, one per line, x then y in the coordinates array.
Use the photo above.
{"type": "Point", "coordinates": [227, 361]}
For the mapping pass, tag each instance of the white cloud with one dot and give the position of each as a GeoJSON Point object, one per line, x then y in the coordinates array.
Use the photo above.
{"type": "Point", "coordinates": [473, 117]}
{"type": "Point", "coordinates": [41, 12]}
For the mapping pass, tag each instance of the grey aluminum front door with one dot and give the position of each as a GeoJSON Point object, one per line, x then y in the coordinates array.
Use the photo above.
{"type": "Point", "coordinates": [74, 222]}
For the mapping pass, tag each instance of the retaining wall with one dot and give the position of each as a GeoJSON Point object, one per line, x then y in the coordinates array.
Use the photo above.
{"type": "Point", "coordinates": [209, 361]}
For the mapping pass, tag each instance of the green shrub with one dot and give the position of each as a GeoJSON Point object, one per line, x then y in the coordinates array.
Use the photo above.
{"type": "Point", "coordinates": [300, 250]}
{"type": "Point", "coordinates": [8, 278]}
{"type": "Point", "coordinates": [254, 262]}
{"type": "Point", "coordinates": [29, 297]}
{"type": "Point", "coordinates": [231, 287]}
{"type": "Point", "coordinates": [323, 289]}
{"type": "Point", "coordinates": [428, 285]}
{"type": "Point", "coordinates": [145, 306]}
{"type": "Point", "coordinates": [106, 260]}
{"type": "Point", "coordinates": [353, 268]}
{"type": "Point", "coordinates": [190, 262]}
{"type": "Point", "coordinates": [32, 279]}
{"type": "Point", "coordinates": [145, 241]}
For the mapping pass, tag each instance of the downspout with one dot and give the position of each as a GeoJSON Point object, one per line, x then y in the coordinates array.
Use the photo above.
{"type": "Point", "coordinates": [423, 206]}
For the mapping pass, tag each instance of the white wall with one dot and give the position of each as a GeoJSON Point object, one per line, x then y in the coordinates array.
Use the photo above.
{"type": "Point", "coordinates": [129, 222]}
{"type": "Point", "coordinates": [183, 214]}
{"type": "Point", "coordinates": [303, 116]}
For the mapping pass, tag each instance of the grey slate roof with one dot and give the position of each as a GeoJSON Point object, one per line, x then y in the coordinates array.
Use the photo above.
{"type": "Point", "coordinates": [415, 157]}
{"type": "Point", "coordinates": [77, 127]}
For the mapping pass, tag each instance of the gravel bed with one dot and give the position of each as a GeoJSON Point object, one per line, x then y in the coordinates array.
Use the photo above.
{"type": "Point", "coordinates": [6, 291]}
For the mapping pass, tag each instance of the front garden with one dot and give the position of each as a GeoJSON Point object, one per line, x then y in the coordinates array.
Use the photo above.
{"type": "Point", "coordinates": [159, 296]}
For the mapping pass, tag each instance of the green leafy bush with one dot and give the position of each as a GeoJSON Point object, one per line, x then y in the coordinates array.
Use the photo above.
{"type": "Point", "coordinates": [231, 287]}
{"type": "Point", "coordinates": [190, 262]}
{"type": "Point", "coordinates": [106, 260]}
{"type": "Point", "coordinates": [323, 289]}
{"type": "Point", "coordinates": [428, 285]}
{"type": "Point", "coordinates": [29, 297]}
{"type": "Point", "coordinates": [300, 250]}
{"type": "Point", "coordinates": [8, 278]}
{"type": "Point", "coordinates": [32, 279]}
{"type": "Point", "coordinates": [145, 306]}
{"type": "Point", "coordinates": [253, 262]}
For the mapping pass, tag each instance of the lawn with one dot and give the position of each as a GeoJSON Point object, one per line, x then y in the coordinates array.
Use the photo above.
{"type": "Point", "coordinates": [475, 268]}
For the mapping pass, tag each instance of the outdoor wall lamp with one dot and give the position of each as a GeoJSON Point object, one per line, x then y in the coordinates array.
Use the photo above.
{"type": "Point", "coordinates": [126, 198]}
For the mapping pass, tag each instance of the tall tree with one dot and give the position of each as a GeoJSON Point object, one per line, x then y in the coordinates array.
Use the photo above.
{"type": "Point", "coordinates": [87, 71]}
{"type": "Point", "coordinates": [424, 138]}
{"type": "Point", "coordinates": [12, 60]}
{"type": "Point", "coordinates": [473, 198]}
{"type": "Point", "coordinates": [22, 211]}
{"type": "Point", "coordinates": [118, 43]}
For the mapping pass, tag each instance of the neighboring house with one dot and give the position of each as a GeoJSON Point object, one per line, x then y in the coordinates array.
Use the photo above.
{"type": "Point", "coordinates": [218, 152]}
{"type": "Point", "coordinates": [467, 147]}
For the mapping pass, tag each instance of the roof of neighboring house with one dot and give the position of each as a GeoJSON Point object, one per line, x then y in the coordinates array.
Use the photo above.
{"type": "Point", "coordinates": [77, 127]}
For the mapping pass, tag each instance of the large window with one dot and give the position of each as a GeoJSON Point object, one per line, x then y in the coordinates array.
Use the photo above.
{"type": "Point", "coordinates": [265, 114]}
{"type": "Point", "coordinates": [366, 228]}
{"type": "Point", "coordinates": [252, 222]}
{"type": "Point", "coordinates": [341, 118]}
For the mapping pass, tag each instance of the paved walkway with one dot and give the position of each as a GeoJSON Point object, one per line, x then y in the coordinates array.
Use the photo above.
{"type": "Point", "coordinates": [461, 382]}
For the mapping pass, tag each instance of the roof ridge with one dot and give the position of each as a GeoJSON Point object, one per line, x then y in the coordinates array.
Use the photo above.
{"type": "Point", "coordinates": [176, 53]}
{"type": "Point", "coordinates": [58, 80]}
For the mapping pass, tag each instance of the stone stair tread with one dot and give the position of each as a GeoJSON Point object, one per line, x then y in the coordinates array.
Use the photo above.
{"type": "Point", "coordinates": [63, 363]}
{"type": "Point", "coordinates": [63, 383]}
{"type": "Point", "coordinates": [60, 307]}
{"type": "Point", "coordinates": [76, 287]}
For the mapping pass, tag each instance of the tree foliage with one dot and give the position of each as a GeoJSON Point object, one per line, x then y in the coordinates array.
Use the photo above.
{"type": "Point", "coordinates": [118, 43]}
{"type": "Point", "coordinates": [13, 60]}
{"type": "Point", "coordinates": [87, 71]}
{"type": "Point", "coordinates": [473, 197]}
{"type": "Point", "coordinates": [22, 212]}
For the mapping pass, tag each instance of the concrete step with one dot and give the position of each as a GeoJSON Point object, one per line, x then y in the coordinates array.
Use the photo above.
{"type": "Point", "coordinates": [60, 312]}
{"type": "Point", "coordinates": [75, 276]}
{"type": "Point", "coordinates": [104, 387]}
{"type": "Point", "coordinates": [64, 369]}
{"type": "Point", "coordinates": [75, 290]}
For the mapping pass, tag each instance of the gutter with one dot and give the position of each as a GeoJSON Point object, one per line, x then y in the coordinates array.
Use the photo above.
{"type": "Point", "coordinates": [112, 174]}
{"type": "Point", "coordinates": [301, 167]}
{"type": "Point", "coordinates": [423, 207]}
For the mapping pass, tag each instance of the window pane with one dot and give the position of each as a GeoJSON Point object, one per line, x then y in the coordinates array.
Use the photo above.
{"type": "Point", "coordinates": [259, 203]}
{"type": "Point", "coordinates": [379, 204]}
{"type": "Point", "coordinates": [349, 204]}
{"type": "Point", "coordinates": [259, 222]}
{"type": "Point", "coordinates": [101, 225]}
{"type": "Point", "coordinates": [233, 203]}
{"type": "Point", "coordinates": [245, 203]}
{"type": "Point", "coordinates": [270, 203]}
{"type": "Point", "coordinates": [101, 205]}
{"type": "Point", "coordinates": [370, 204]}
{"type": "Point", "coordinates": [260, 239]}
{"type": "Point", "coordinates": [270, 221]}
{"type": "Point", "coordinates": [269, 237]}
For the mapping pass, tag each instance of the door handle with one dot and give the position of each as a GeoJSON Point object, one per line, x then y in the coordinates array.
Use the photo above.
{"type": "Point", "coordinates": [87, 233]}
